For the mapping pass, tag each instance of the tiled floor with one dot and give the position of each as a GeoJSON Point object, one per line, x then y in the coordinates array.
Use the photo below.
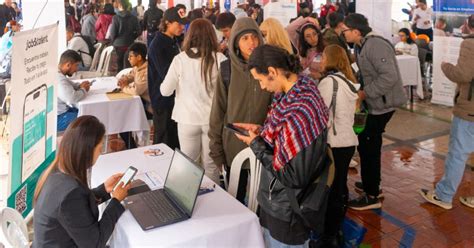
{"type": "Point", "coordinates": [415, 145]}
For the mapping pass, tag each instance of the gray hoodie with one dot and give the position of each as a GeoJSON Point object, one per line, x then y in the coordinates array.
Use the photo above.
{"type": "Point", "coordinates": [244, 101]}
{"type": "Point", "coordinates": [382, 80]}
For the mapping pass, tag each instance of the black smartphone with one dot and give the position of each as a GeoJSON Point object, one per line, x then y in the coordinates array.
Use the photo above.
{"type": "Point", "coordinates": [231, 127]}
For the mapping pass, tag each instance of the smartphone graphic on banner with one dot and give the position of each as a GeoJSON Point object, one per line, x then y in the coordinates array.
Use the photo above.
{"type": "Point", "coordinates": [34, 130]}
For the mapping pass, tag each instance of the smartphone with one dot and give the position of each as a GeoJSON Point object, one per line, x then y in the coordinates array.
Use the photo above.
{"type": "Point", "coordinates": [127, 176]}
{"type": "Point", "coordinates": [231, 127]}
{"type": "Point", "coordinates": [34, 130]}
{"type": "Point", "coordinates": [92, 82]}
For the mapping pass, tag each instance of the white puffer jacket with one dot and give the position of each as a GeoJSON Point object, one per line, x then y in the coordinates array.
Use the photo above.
{"type": "Point", "coordinates": [345, 110]}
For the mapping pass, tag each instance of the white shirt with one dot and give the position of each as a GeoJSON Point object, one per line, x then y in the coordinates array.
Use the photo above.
{"type": "Point", "coordinates": [192, 102]}
{"type": "Point", "coordinates": [345, 110]}
{"type": "Point", "coordinates": [425, 15]}
{"type": "Point", "coordinates": [408, 49]}
{"type": "Point", "coordinates": [79, 45]}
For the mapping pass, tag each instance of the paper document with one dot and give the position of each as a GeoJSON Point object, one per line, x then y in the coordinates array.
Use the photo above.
{"type": "Point", "coordinates": [152, 179]}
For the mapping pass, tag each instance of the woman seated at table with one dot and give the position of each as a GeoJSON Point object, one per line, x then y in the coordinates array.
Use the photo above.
{"type": "Point", "coordinates": [406, 45]}
{"type": "Point", "coordinates": [289, 145]}
{"type": "Point", "coordinates": [66, 212]}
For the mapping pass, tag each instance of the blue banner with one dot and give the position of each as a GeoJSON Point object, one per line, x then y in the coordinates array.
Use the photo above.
{"type": "Point", "coordinates": [459, 6]}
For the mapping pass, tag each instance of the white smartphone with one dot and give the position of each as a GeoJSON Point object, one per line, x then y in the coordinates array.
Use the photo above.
{"type": "Point", "coordinates": [127, 176]}
{"type": "Point", "coordinates": [34, 130]}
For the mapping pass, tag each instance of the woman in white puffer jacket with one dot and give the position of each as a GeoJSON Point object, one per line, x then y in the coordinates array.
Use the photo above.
{"type": "Point", "coordinates": [341, 136]}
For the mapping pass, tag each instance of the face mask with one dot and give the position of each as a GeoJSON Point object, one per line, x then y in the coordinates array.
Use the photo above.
{"type": "Point", "coordinates": [116, 11]}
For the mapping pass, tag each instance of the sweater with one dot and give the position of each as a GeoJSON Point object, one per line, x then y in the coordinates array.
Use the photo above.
{"type": "Point", "coordinates": [69, 93]}
{"type": "Point", "coordinates": [241, 101]}
{"type": "Point", "coordinates": [184, 77]}
{"type": "Point", "coordinates": [408, 49]}
{"type": "Point", "coordinates": [124, 29]}
{"type": "Point", "coordinates": [138, 83]}
{"type": "Point", "coordinates": [345, 110]}
{"type": "Point", "coordinates": [88, 27]}
{"type": "Point", "coordinates": [161, 52]}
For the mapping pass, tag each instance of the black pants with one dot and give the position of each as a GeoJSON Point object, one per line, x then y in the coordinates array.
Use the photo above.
{"type": "Point", "coordinates": [166, 130]}
{"type": "Point", "coordinates": [428, 32]}
{"type": "Point", "coordinates": [129, 140]}
{"type": "Point", "coordinates": [337, 203]}
{"type": "Point", "coordinates": [370, 151]}
{"type": "Point", "coordinates": [122, 58]}
{"type": "Point", "coordinates": [242, 187]}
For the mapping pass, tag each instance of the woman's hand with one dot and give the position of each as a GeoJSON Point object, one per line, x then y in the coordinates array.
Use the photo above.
{"type": "Point", "coordinates": [112, 181]}
{"type": "Point", "coordinates": [121, 191]}
{"type": "Point", "coordinates": [253, 129]}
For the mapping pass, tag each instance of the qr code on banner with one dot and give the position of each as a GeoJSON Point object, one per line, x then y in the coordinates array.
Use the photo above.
{"type": "Point", "coordinates": [20, 200]}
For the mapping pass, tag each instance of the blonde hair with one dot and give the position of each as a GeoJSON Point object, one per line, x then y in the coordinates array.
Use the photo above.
{"type": "Point", "coordinates": [276, 34]}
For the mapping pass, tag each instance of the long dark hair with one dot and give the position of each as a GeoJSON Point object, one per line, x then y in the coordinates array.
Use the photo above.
{"type": "Point", "coordinates": [201, 35]}
{"type": "Point", "coordinates": [271, 56]}
{"type": "Point", "coordinates": [407, 34]}
{"type": "Point", "coordinates": [76, 151]}
{"type": "Point", "coordinates": [304, 46]}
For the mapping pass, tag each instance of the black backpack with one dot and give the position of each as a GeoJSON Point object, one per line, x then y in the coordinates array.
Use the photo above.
{"type": "Point", "coordinates": [153, 17]}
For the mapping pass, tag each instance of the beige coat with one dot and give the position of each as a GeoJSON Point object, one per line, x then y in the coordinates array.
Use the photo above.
{"type": "Point", "coordinates": [463, 75]}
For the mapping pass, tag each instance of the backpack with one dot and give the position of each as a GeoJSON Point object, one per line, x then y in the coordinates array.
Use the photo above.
{"type": "Point", "coordinates": [90, 46]}
{"type": "Point", "coordinates": [153, 19]}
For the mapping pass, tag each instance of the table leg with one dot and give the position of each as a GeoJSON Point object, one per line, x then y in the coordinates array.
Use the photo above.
{"type": "Point", "coordinates": [411, 94]}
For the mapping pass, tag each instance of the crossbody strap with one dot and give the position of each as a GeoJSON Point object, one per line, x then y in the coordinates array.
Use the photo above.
{"type": "Point", "coordinates": [335, 87]}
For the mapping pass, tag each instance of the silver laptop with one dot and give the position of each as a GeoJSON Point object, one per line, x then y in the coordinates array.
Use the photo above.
{"type": "Point", "coordinates": [175, 202]}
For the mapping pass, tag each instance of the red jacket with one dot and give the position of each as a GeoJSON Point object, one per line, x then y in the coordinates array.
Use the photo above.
{"type": "Point", "coordinates": [102, 25]}
{"type": "Point", "coordinates": [325, 10]}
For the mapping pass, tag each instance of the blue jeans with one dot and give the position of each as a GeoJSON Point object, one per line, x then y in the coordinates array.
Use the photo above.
{"type": "Point", "coordinates": [65, 118]}
{"type": "Point", "coordinates": [461, 144]}
{"type": "Point", "coordinates": [270, 242]}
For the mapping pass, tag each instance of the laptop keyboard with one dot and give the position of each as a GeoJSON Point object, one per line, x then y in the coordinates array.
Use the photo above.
{"type": "Point", "coordinates": [161, 206]}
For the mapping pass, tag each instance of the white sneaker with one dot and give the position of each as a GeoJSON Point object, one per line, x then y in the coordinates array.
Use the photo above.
{"type": "Point", "coordinates": [467, 200]}
{"type": "Point", "coordinates": [431, 197]}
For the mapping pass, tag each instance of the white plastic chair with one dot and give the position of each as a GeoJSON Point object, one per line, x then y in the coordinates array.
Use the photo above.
{"type": "Point", "coordinates": [104, 60]}
{"type": "Point", "coordinates": [255, 172]}
{"type": "Point", "coordinates": [14, 228]}
{"type": "Point", "coordinates": [123, 72]}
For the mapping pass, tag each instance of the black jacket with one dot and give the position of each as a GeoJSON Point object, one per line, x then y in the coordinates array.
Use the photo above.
{"type": "Point", "coordinates": [297, 174]}
{"type": "Point", "coordinates": [66, 214]}
{"type": "Point", "coordinates": [124, 29]}
{"type": "Point", "coordinates": [160, 55]}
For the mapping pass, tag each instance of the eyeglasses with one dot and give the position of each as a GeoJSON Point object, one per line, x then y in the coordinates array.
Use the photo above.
{"type": "Point", "coordinates": [345, 30]}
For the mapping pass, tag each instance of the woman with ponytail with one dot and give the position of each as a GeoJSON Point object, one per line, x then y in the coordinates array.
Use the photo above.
{"type": "Point", "coordinates": [291, 146]}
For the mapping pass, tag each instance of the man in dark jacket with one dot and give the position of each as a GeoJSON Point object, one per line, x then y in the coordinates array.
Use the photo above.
{"type": "Point", "coordinates": [152, 20]}
{"type": "Point", "coordinates": [7, 13]}
{"type": "Point", "coordinates": [124, 29]}
{"type": "Point", "coordinates": [161, 52]}
{"type": "Point", "coordinates": [238, 98]}
{"type": "Point", "coordinates": [382, 91]}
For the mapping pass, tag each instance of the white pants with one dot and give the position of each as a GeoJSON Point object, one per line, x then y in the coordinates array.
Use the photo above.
{"type": "Point", "coordinates": [194, 142]}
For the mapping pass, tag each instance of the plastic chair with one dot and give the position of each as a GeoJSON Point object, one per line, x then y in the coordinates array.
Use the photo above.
{"type": "Point", "coordinates": [255, 172]}
{"type": "Point", "coordinates": [123, 72]}
{"type": "Point", "coordinates": [14, 228]}
{"type": "Point", "coordinates": [104, 60]}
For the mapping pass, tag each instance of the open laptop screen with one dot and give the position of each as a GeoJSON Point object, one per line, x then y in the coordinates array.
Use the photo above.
{"type": "Point", "coordinates": [183, 181]}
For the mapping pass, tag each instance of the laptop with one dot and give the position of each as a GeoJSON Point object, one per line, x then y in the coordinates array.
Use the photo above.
{"type": "Point", "coordinates": [175, 201]}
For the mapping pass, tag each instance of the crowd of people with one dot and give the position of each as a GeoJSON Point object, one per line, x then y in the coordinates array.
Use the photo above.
{"type": "Point", "coordinates": [295, 88]}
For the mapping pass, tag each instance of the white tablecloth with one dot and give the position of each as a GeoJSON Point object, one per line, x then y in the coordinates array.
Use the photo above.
{"type": "Point", "coordinates": [117, 115]}
{"type": "Point", "coordinates": [411, 73]}
{"type": "Point", "coordinates": [218, 219]}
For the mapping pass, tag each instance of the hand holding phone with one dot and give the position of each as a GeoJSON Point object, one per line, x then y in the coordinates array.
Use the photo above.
{"type": "Point", "coordinates": [127, 177]}
{"type": "Point", "coordinates": [231, 127]}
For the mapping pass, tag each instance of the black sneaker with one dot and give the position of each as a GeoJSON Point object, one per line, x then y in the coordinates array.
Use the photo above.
{"type": "Point", "coordinates": [359, 188]}
{"type": "Point", "coordinates": [365, 202]}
